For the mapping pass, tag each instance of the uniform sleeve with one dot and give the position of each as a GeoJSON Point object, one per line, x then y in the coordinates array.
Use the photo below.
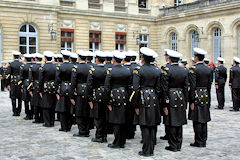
{"type": "Point", "coordinates": [41, 78]}
{"type": "Point", "coordinates": [231, 77]}
{"type": "Point", "coordinates": [225, 75]}
{"type": "Point", "coordinates": [73, 81]}
{"type": "Point", "coordinates": [8, 76]}
{"type": "Point", "coordinates": [21, 72]}
{"type": "Point", "coordinates": [192, 81]}
{"type": "Point", "coordinates": [90, 85]}
{"type": "Point", "coordinates": [165, 86]}
{"type": "Point", "coordinates": [185, 89]}
{"type": "Point", "coordinates": [136, 87]}
{"type": "Point", "coordinates": [107, 86]}
{"type": "Point", "coordinates": [216, 75]}
{"type": "Point", "coordinates": [58, 78]}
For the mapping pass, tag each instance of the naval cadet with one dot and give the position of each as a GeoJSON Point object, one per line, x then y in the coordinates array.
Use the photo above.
{"type": "Point", "coordinates": [63, 86]}
{"type": "Point", "coordinates": [234, 84]}
{"type": "Point", "coordinates": [14, 83]}
{"type": "Point", "coordinates": [165, 137]}
{"type": "Point", "coordinates": [220, 80]}
{"type": "Point", "coordinates": [175, 90]}
{"type": "Point", "coordinates": [36, 100]}
{"type": "Point", "coordinates": [108, 60]}
{"type": "Point", "coordinates": [117, 98]}
{"type": "Point", "coordinates": [27, 84]}
{"type": "Point", "coordinates": [95, 92]}
{"type": "Point", "coordinates": [145, 96]}
{"type": "Point", "coordinates": [79, 92]}
{"type": "Point", "coordinates": [200, 78]}
{"type": "Point", "coordinates": [48, 89]}
{"type": "Point", "coordinates": [3, 74]}
{"type": "Point", "coordinates": [73, 58]}
{"type": "Point", "coordinates": [184, 63]}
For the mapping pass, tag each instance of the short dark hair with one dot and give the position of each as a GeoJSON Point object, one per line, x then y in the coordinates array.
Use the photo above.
{"type": "Point", "coordinates": [134, 58]}
{"type": "Point", "coordinates": [100, 59]}
{"type": "Point", "coordinates": [73, 59]}
{"type": "Point", "coordinates": [200, 57]}
{"type": "Point", "coordinates": [118, 60]}
{"type": "Point", "coordinates": [174, 59]}
{"type": "Point", "coordinates": [220, 62]}
{"type": "Point", "coordinates": [89, 58]}
{"type": "Point", "coordinates": [128, 58]}
{"type": "Point", "coordinates": [49, 58]}
{"type": "Point", "coordinates": [66, 57]}
{"type": "Point", "coordinates": [39, 59]}
{"type": "Point", "coordinates": [28, 59]}
{"type": "Point", "coordinates": [108, 58]}
{"type": "Point", "coordinates": [83, 57]}
{"type": "Point", "coordinates": [16, 56]}
{"type": "Point", "coordinates": [148, 59]}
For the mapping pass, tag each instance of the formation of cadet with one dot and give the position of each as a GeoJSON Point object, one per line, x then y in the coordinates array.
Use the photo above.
{"type": "Point", "coordinates": [116, 93]}
{"type": "Point", "coordinates": [3, 73]}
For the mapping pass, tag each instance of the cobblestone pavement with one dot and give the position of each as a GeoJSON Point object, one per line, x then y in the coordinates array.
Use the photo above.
{"type": "Point", "coordinates": [21, 139]}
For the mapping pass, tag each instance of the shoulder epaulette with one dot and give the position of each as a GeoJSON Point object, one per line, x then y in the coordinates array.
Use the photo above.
{"type": "Point", "coordinates": [21, 67]}
{"type": "Point", "coordinates": [74, 69]}
{"type": "Point", "coordinates": [231, 69]}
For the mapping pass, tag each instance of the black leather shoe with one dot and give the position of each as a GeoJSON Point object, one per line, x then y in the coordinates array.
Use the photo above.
{"type": "Point", "coordinates": [171, 149]}
{"type": "Point", "coordinates": [141, 141]}
{"type": "Point", "coordinates": [26, 118]}
{"type": "Point", "coordinates": [113, 146]}
{"type": "Point", "coordinates": [144, 154]}
{"type": "Point", "coordinates": [37, 122]}
{"type": "Point", "coordinates": [14, 114]}
{"type": "Point", "coordinates": [62, 130]}
{"type": "Point", "coordinates": [219, 108]}
{"type": "Point", "coordinates": [164, 138]}
{"type": "Point", "coordinates": [233, 110]}
{"type": "Point", "coordinates": [44, 125]}
{"type": "Point", "coordinates": [197, 145]}
{"type": "Point", "coordinates": [98, 140]}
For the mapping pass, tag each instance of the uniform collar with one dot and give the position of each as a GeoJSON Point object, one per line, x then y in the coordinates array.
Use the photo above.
{"type": "Point", "coordinates": [49, 62]}
{"type": "Point", "coordinates": [82, 62]}
{"type": "Point", "coordinates": [174, 64]}
{"type": "Point", "coordinates": [127, 64]}
{"type": "Point", "coordinates": [199, 62]}
{"type": "Point", "coordinates": [100, 64]}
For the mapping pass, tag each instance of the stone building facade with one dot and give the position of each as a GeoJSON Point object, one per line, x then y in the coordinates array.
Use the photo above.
{"type": "Point", "coordinates": [38, 25]}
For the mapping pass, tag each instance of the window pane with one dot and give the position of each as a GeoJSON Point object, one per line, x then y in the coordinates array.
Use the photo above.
{"type": "Point", "coordinates": [69, 44]}
{"type": "Point", "coordinates": [32, 40]}
{"type": "Point", "coordinates": [69, 34]}
{"type": "Point", "coordinates": [145, 38]}
{"type": "Point", "coordinates": [23, 40]}
{"type": "Point", "coordinates": [116, 47]}
{"type": "Point", "coordinates": [22, 49]}
{"type": "Point", "coordinates": [23, 28]}
{"type": "Point", "coordinates": [32, 50]}
{"type": "Point", "coordinates": [97, 46]}
{"type": "Point", "coordinates": [62, 44]}
{"type": "Point", "coordinates": [62, 34]}
{"type": "Point", "coordinates": [97, 35]}
{"type": "Point", "coordinates": [121, 47]}
{"type": "Point", "coordinates": [90, 35]}
{"type": "Point", "coordinates": [142, 4]}
{"type": "Point", "coordinates": [91, 45]}
{"type": "Point", "coordinates": [31, 29]}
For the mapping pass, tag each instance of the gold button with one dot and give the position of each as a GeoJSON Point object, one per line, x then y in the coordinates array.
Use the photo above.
{"type": "Point", "coordinates": [118, 91]}
{"type": "Point", "coordinates": [174, 92]}
{"type": "Point", "coordinates": [148, 98]}
{"type": "Point", "coordinates": [146, 91]}
{"type": "Point", "coordinates": [154, 105]}
{"type": "Point", "coordinates": [149, 106]}
{"type": "Point", "coordinates": [118, 97]}
{"type": "Point", "coordinates": [202, 96]}
{"type": "Point", "coordinates": [180, 92]}
{"type": "Point", "coordinates": [100, 100]}
{"type": "Point", "coordinates": [125, 104]}
{"type": "Point", "coordinates": [206, 90]}
{"type": "Point", "coordinates": [82, 96]}
{"type": "Point", "coordinates": [99, 89]}
{"type": "Point", "coordinates": [175, 99]}
{"type": "Point", "coordinates": [201, 102]}
{"type": "Point", "coordinates": [100, 94]}
{"type": "Point", "coordinates": [152, 90]}
{"type": "Point", "coordinates": [175, 105]}
{"type": "Point", "coordinates": [206, 102]}
{"type": "Point", "coordinates": [119, 104]}
{"type": "Point", "coordinates": [154, 97]}
{"type": "Point", "coordinates": [181, 98]}
{"type": "Point", "coordinates": [206, 95]}
{"type": "Point", "coordinates": [181, 105]}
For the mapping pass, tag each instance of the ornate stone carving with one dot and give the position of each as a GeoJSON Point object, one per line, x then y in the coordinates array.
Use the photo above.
{"type": "Point", "coordinates": [144, 30]}
{"type": "Point", "coordinates": [67, 24]}
{"type": "Point", "coordinates": [121, 28]}
{"type": "Point", "coordinates": [95, 26]}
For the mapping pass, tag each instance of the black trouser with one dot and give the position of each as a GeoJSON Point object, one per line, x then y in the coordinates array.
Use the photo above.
{"type": "Point", "coordinates": [236, 98]}
{"type": "Point", "coordinates": [48, 116]}
{"type": "Point", "coordinates": [220, 97]}
{"type": "Point", "coordinates": [166, 131]}
{"type": "Point", "coordinates": [200, 130]}
{"type": "Point", "coordinates": [130, 130]}
{"type": "Point", "coordinates": [38, 113]}
{"type": "Point", "coordinates": [28, 109]}
{"type": "Point", "coordinates": [119, 131]}
{"type": "Point", "coordinates": [175, 137]}
{"type": "Point", "coordinates": [101, 131]}
{"type": "Point", "coordinates": [149, 139]}
{"type": "Point", "coordinates": [3, 84]}
{"type": "Point", "coordinates": [83, 125]}
{"type": "Point", "coordinates": [66, 121]}
{"type": "Point", "coordinates": [16, 109]}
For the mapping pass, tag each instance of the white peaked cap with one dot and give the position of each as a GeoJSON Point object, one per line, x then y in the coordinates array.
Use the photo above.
{"type": "Point", "coordinates": [100, 54]}
{"type": "Point", "coordinates": [74, 55]}
{"type": "Point", "coordinates": [38, 55]}
{"type": "Point", "coordinates": [220, 59]}
{"type": "Point", "coordinates": [16, 53]}
{"type": "Point", "coordinates": [82, 53]}
{"type": "Point", "coordinates": [148, 52]}
{"type": "Point", "coordinates": [133, 53]}
{"type": "Point", "coordinates": [172, 53]}
{"type": "Point", "coordinates": [200, 51]}
{"type": "Point", "coordinates": [65, 52]}
{"type": "Point", "coordinates": [236, 59]}
{"type": "Point", "coordinates": [28, 56]}
{"type": "Point", "coordinates": [119, 55]}
{"type": "Point", "coordinates": [48, 54]}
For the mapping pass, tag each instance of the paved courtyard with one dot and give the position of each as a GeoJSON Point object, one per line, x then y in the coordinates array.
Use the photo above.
{"type": "Point", "coordinates": [20, 139]}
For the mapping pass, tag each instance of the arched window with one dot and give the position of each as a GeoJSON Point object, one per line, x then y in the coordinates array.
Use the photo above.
{"type": "Point", "coordinates": [194, 37]}
{"type": "Point", "coordinates": [174, 41]}
{"type": "Point", "coordinates": [28, 39]}
{"type": "Point", "coordinates": [217, 52]}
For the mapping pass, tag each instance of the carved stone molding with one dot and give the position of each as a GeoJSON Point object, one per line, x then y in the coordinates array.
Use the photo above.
{"type": "Point", "coordinates": [95, 26]}
{"type": "Point", "coordinates": [67, 24]}
{"type": "Point", "coordinates": [121, 28]}
{"type": "Point", "coordinates": [144, 30]}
